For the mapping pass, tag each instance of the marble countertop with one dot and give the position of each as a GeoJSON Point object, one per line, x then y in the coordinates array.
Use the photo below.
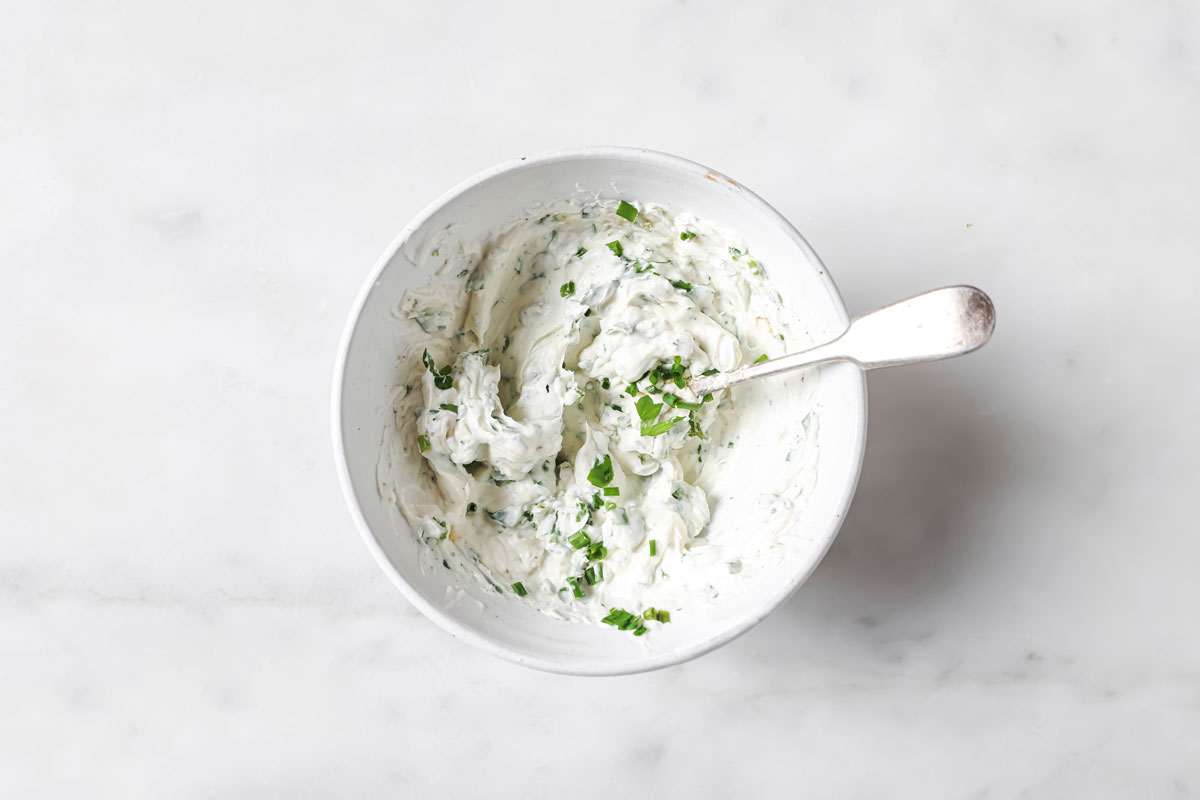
{"type": "Point", "coordinates": [191, 195]}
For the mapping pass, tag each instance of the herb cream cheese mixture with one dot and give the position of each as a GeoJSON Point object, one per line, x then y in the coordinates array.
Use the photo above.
{"type": "Point", "coordinates": [545, 439]}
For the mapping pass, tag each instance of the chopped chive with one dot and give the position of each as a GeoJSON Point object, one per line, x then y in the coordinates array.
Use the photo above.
{"type": "Point", "coordinates": [687, 235]}
{"type": "Point", "coordinates": [615, 246]}
{"type": "Point", "coordinates": [472, 508]}
{"type": "Point", "coordinates": [674, 402]}
{"type": "Point", "coordinates": [423, 442]}
{"type": "Point", "coordinates": [602, 473]}
{"type": "Point", "coordinates": [589, 575]}
{"type": "Point", "coordinates": [596, 551]}
{"type": "Point", "coordinates": [596, 501]}
{"type": "Point", "coordinates": [623, 620]}
{"type": "Point", "coordinates": [567, 289]}
{"type": "Point", "coordinates": [579, 253]}
{"type": "Point", "coordinates": [761, 359]}
{"type": "Point", "coordinates": [754, 269]}
{"type": "Point", "coordinates": [678, 493]}
{"type": "Point", "coordinates": [627, 211]}
{"type": "Point", "coordinates": [610, 506]}
{"type": "Point", "coordinates": [710, 371]}
{"type": "Point", "coordinates": [519, 589]}
{"type": "Point", "coordinates": [648, 613]}
{"type": "Point", "coordinates": [449, 407]}
{"type": "Point", "coordinates": [575, 590]}
{"type": "Point", "coordinates": [663, 616]}
{"type": "Point", "coordinates": [708, 398]}
{"type": "Point", "coordinates": [632, 389]}
{"type": "Point", "coordinates": [684, 285]}
{"type": "Point", "coordinates": [733, 251]}
{"type": "Point", "coordinates": [580, 540]}
{"type": "Point", "coordinates": [653, 547]}
{"type": "Point", "coordinates": [611, 491]}
{"type": "Point", "coordinates": [605, 383]}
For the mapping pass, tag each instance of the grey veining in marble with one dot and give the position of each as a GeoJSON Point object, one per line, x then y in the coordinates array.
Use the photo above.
{"type": "Point", "coordinates": [191, 194]}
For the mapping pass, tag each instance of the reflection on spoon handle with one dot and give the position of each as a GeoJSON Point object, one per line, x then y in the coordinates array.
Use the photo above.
{"type": "Point", "coordinates": [938, 324]}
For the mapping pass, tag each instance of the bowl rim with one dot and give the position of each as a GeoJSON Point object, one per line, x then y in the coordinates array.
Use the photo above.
{"type": "Point", "coordinates": [469, 634]}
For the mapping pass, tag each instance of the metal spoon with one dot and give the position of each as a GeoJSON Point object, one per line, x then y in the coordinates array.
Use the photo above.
{"type": "Point", "coordinates": [938, 324]}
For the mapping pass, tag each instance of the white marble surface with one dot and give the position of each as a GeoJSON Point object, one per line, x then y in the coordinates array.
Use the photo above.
{"type": "Point", "coordinates": [191, 194]}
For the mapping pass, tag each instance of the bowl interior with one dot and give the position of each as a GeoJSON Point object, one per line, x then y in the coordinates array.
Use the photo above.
{"type": "Point", "coordinates": [501, 624]}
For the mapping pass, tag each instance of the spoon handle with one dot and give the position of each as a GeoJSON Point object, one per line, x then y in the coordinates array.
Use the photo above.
{"type": "Point", "coordinates": [938, 324]}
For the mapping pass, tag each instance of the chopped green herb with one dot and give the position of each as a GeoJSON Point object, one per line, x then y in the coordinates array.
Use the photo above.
{"type": "Point", "coordinates": [754, 269]}
{"type": "Point", "coordinates": [567, 289]}
{"type": "Point", "coordinates": [710, 371]}
{"type": "Point", "coordinates": [472, 508]}
{"type": "Point", "coordinates": [441, 378]}
{"type": "Point", "coordinates": [632, 389]}
{"type": "Point", "coordinates": [684, 285]}
{"type": "Point", "coordinates": [580, 540]}
{"type": "Point", "coordinates": [579, 253]}
{"type": "Point", "coordinates": [559, 217]}
{"type": "Point", "coordinates": [648, 409]}
{"type": "Point", "coordinates": [627, 211]}
{"type": "Point", "coordinates": [674, 402]}
{"type": "Point", "coordinates": [611, 491]}
{"type": "Point", "coordinates": [449, 407]}
{"type": "Point", "coordinates": [678, 493]}
{"type": "Point", "coordinates": [596, 501]}
{"type": "Point", "coordinates": [761, 359]}
{"type": "Point", "coordinates": [648, 613]}
{"type": "Point", "coordinates": [623, 620]}
{"type": "Point", "coordinates": [708, 398]}
{"type": "Point", "coordinates": [519, 589]}
{"type": "Point", "coordinates": [596, 551]}
{"type": "Point", "coordinates": [663, 616]}
{"type": "Point", "coordinates": [733, 251]}
{"type": "Point", "coordinates": [641, 629]}
{"type": "Point", "coordinates": [589, 575]}
{"type": "Point", "coordinates": [686, 235]}
{"type": "Point", "coordinates": [423, 442]}
{"type": "Point", "coordinates": [610, 506]}
{"type": "Point", "coordinates": [605, 383]}
{"type": "Point", "coordinates": [659, 428]}
{"type": "Point", "coordinates": [615, 246]}
{"type": "Point", "coordinates": [653, 547]}
{"type": "Point", "coordinates": [575, 590]}
{"type": "Point", "coordinates": [602, 473]}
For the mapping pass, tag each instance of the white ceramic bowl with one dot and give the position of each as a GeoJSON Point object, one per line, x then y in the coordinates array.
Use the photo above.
{"type": "Point", "coordinates": [367, 368]}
